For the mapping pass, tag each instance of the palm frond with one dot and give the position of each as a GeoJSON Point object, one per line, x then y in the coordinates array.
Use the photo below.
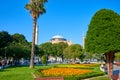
{"type": "Point", "coordinates": [36, 7]}
{"type": "Point", "coordinates": [28, 6]}
{"type": "Point", "coordinates": [45, 0]}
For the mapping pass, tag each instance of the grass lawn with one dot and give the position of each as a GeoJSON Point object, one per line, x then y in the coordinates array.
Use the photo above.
{"type": "Point", "coordinates": [16, 73]}
{"type": "Point", "coordinates": [25, 73]}
{"type": "Point", "coordinates": [19, 73]}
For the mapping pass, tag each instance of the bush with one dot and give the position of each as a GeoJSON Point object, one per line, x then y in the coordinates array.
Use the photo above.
{"type": "Point", "coordinates": [44, 60]}
{"type": "Point", "coordinates": [72, 78]}
{"type": "Point", "coordinates": [84, 76]}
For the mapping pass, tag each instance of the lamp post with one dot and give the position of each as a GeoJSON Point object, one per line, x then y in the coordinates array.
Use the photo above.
{"type": "Point", "coordinates": [5, 52]}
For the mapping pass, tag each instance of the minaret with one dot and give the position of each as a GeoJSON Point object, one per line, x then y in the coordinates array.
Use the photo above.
{"type": "Point", "coordinates": [36, 35]}
{"type": "Point", "coordinates": [83, 40]}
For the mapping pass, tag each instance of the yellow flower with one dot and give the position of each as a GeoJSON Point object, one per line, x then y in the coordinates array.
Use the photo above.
{"type": "Point", "coordinates": [64, 72]}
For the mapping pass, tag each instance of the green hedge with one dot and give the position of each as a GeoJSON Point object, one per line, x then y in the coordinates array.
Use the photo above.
{"type": "Point", "coordinates": [84, 76]}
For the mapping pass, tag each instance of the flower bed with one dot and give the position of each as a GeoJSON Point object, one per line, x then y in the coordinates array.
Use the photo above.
{"type": "Point", "coordinates": [82, 66]}
{"type": "Point", "coordinates": [64, 72]}
{"type": "Point", "coordinates": [70, 71]}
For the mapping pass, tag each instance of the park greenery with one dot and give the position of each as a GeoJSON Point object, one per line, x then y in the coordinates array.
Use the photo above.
{"type": "Point", "coordinates": [53, 49]}
{"type": "Point", "coordinates": [17, 47]}
{"type": "Point", "coordinates": [104, 28]}
{"type": "Point", "coordinates": [75, 50]}
{"type": "Point", "coordinates": [25, 73]}
{"type": "Point", "coordinates": [102, 41]}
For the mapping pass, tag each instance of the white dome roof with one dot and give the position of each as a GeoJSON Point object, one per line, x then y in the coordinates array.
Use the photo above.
{"type": "Point", "coordinates": [57, 36]}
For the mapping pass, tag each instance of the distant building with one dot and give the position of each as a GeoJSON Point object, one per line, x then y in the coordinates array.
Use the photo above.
{"type": "Point", "coordinates": [58, 38]}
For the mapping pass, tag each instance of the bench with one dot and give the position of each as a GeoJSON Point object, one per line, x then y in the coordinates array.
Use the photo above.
{"type": "Point", "coordinates": [50, 78]}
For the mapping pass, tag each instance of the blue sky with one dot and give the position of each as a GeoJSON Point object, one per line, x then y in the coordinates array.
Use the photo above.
{"type": "Point", "coordinates": [69, 18]}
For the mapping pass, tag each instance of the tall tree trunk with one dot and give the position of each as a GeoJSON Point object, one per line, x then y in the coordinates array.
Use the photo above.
{"type": "Point", "coordinates": [33, 43]}
{"type": "Point", "coordinates": [109, 60]}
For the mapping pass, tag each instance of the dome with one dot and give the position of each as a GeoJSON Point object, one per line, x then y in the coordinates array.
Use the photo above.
{"type": "Point", "coordinates": [57, 36]}
{"type": "Point", "coordinates": [58, 39]}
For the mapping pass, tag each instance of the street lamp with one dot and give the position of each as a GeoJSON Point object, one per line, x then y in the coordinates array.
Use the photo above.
{"type": "Point", "coordinates": [5, 52]}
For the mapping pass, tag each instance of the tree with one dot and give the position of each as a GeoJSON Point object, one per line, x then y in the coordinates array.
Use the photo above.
{"type": "Point", "coordinates": [66, 53]}
{"type": "Point", "coordinates": [61, 47]}
{"type": "Point", "coordinates": [36, 8]}
{"type": "Point", "coordinates": [14, 46]}
{"type": "Point", "coordinates": [18, 51]}
{"type": "Point", "coordinates": [103, 35]}
{"type": "Point", "coordinates": [18, 48]}
{"type": "Point", "coordinates": [5, 39]}
{"type": "Point", "coordinates": [55, 49]}
{"type": "Point", "coordinates": [46, 48]}
{"type": "Point", "coordinates": [74, 51]}
{"type": "Point", "coordinates": [58, 48]}
{"type": "Point", "coordinates": [19, 38]}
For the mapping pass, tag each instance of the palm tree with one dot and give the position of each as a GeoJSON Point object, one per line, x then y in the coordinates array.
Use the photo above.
{"type": "Point", "coordinates": [36, 8]}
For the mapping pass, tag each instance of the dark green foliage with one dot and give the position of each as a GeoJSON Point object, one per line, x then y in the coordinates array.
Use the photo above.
{"type": "Point", "coordinates": [18, 51]}
{"type": "Point", "coordinates": [37, 50]}
{"type": "Point", "coordinates": [14, 46]}
{"type": "Point", "coordinates": [19, 48]}
{"type": "Point", "coordinates": [103, 34]}
{"type": "Point", "coordinates": [19, 38]}
{"type": "Point", "coordinates": [5, 39]}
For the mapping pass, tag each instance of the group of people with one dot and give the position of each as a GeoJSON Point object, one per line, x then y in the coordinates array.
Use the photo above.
{"type": "Point", "coordinates": [103, 68]}
{"type": "Point", "coordinates": [116, 70]}
{"type": "Point", "coordinates": [5, 63]}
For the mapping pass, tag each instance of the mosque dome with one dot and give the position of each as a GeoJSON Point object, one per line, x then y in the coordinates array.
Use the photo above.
{"type": "Point", "coordinates": [57, 39]}
{"type": "Point", "coordinates": [58, 36]}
